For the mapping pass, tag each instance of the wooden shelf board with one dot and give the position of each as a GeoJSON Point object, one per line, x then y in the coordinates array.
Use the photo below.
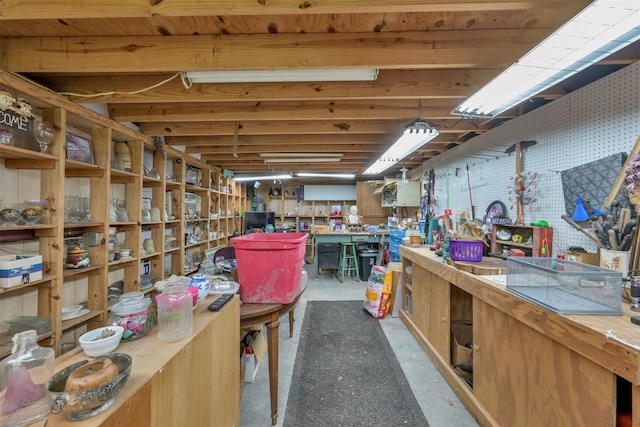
{"type": "Point", "coordinates": [514, 244]}
{"type": "Point", "coordinates": [68, 324]}
{"type": "Point", "coordinates": [121, 262]}
{"type": "Point", "coordinates": [34, 227]}
{"type": "Point", "coordinates": [75, 168]}
{"type": "Point", "coordinates": [192, 245]}
{"type": "Point", "coordinates": [42, 283]}
{"type": "Point", "coordinates": [17, 153]}
{"type": "Point", "coordinates": [70, 225]}
{"type": "Point", "coordinates": [151, 182]}
{"type": "Point", "coordinates": [153, 255]}
{"type": "Point", "coordinates": [195, 189]}
{"type": "Point", "coordinates": [70, 272]}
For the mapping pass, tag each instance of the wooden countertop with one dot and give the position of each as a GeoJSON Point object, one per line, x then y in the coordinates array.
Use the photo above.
{"type": "Point", "coordinates": [150, 356]}
{"type": "Point", "coordinates": [613, 342]}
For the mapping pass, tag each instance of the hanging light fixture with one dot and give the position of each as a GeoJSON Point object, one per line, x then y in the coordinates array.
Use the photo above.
{"type": "Point", "coordinates": [604, 27]}
{"type": "Point", "coordinates": [414, 136]}
{"type": "Point", "coordinates": [301, 75]}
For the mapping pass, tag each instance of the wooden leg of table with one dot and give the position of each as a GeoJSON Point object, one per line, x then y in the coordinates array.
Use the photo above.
{"type": "Point", "coordinates": [273, 341]}
{"type": "Point", "coordinates": [291, 320]}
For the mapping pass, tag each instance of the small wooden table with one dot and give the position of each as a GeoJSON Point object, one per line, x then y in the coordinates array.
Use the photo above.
{"type": "Point", "coordinates": [270, 314]}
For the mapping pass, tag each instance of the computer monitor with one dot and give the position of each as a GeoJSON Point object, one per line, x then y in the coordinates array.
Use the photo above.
{"type": "Point", "coordinates": [259, 219]}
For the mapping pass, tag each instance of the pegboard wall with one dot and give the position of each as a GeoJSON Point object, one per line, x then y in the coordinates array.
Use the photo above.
{"type": "Point", "coordinates": [589, 124]}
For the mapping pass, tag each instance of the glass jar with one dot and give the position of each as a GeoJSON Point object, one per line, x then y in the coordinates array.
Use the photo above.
{"type": "Point", "coordinates": [175, 312]}
{"type": "Point", "coordinates": [23, 380]}
{"type": "Point", "coordinates": [208, 267]}
{"type": "Point", "coordinates": [134, 314]}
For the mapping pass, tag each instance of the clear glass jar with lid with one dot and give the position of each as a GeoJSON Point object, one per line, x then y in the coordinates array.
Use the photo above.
{"type": "Point", "coordinates": [175, 312]}
{"type": "Point", "coordinates": [23, 381]}
{"type": "Point", "coordinates": [134, 313]}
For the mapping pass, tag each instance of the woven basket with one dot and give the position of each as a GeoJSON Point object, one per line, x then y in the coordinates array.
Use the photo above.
{"type": "Point", "coordinates": [466, 250]}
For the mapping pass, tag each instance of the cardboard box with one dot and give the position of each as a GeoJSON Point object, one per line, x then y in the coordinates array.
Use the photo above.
{"type": "Point", "coordinates": [320, 229]}
{"type": "Point", "coordinates": [583, 257]}
{"type": "Point", "coordinates": [19, 269]}
{"type": "Point", "coordinates": [255, 349]}
{"type": "Point", "coordinates": [462, 356]}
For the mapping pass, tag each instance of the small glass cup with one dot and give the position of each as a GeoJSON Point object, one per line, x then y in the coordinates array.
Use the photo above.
{"type": "Point", "coordinates": [43, 132]}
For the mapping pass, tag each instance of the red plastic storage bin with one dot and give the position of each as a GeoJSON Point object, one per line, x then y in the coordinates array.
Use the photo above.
{"type": "Point", "coordinates": [270, 266]}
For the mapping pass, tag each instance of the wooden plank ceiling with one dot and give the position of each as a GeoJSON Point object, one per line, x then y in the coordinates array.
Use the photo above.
{"type": "Point", "coordinates": [431, 55]}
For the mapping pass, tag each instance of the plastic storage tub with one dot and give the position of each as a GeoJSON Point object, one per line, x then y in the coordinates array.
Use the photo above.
{"type": "Point", "coordinates": [566, 287]}
{"type": "Point", "coordinates": [270, 266]}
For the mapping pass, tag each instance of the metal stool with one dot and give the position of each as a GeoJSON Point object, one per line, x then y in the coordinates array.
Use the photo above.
{"type": "Point", "coordinates": [348, 262]}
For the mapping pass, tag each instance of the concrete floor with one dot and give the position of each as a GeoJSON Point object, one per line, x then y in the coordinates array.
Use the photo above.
{"type": "Point", "coordinates": [440, 405]}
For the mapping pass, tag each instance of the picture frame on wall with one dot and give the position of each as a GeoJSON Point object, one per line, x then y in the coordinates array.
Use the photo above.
{"type": "Point", "coordinates": [210, 253]}
{"type": "Point", "coordinates": [79, 148]}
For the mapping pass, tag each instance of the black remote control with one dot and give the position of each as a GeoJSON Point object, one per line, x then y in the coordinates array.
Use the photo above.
{"type": "Point", "coordinates": [635, 319]}
{"type": "Point", "coordinates": [222, 300]}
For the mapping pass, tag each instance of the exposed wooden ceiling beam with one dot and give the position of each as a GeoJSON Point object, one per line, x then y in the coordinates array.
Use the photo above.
{"type": "Point", "coordinates": [287, 148]}
{"type": "Point", "coordinates": [19, 9]}
{"type": "Point", "coordinates": [396, 84]}
{"type": "Point", "coordinates": [408, 109]}
{"type": "Point", "coordinates": [406, 50]}
{"type": "Point", "coordinates": [275, 140]}
{"type": "Point", "coordinates": [270, 128]}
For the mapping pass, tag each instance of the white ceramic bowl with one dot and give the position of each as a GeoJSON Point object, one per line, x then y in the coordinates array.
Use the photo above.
{"type": "Point", "coordinates": [98, 347]}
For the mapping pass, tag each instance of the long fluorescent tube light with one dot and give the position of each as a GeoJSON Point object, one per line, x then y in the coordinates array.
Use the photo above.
{"type": "Point", "coordinates": [302, 75]}
{"type": "Point", "coordinates": [240, 178]}
{"type": "Point", "coordinates": [415, 136]}
{"type": "Point", "coordinates": [601, 29]}
{"type": "Point", "coordinates": [304, 160]}
{"type": "Point", "coordinates": [282, 155]}
{"type": "Point", "coordinates": [326, 175]}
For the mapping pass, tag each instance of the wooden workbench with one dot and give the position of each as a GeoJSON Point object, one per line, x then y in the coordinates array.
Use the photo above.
{"type": "Point", "coordinates": [346, 237]}
{"type": "Point", "coordinates": [192, 382]}
{"type": "Point", "coordinates": [531, 366]}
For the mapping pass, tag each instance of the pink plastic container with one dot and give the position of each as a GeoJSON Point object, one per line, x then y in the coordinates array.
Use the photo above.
{"type": "Point", "coordinates": [270, 266]}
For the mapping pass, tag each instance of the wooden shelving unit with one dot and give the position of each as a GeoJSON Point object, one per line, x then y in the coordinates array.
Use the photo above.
{"type": "Point", "coordinates": [294, 211]}
{"type": "Point", "coordinates": [51, 176]}
{"type": "Point", "coordinates": [534, 239]}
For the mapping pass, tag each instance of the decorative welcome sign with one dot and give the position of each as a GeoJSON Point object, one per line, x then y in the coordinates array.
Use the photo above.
{"type": "Point", "coordinates": [15, 113]}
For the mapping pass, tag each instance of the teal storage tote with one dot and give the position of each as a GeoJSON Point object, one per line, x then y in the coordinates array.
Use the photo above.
{"type": "Point", "coordinates": [270, 266]}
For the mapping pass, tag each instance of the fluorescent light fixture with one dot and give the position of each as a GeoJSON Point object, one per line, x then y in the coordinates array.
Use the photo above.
{"type": "Point", "coordinates": [280, 176]}
{"type": "Point", "coordinates": [302, 75]}
{"type": "Point", "coordinates": [304, 160]}
{"type": "Point", "coordinates": [282, 155]}
{"type": "Point", "coordinates": [415, 135]}
{"type": "Point", "coordinates": [601, 29]}
{"type": "Point", "coordinates": [326, 175]}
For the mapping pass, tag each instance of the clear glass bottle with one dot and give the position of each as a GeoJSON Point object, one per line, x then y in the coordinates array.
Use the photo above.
{"type": "Point", "coordinates": [23, 381]}
{"type": "Point", "coordinates": [175, 312]}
